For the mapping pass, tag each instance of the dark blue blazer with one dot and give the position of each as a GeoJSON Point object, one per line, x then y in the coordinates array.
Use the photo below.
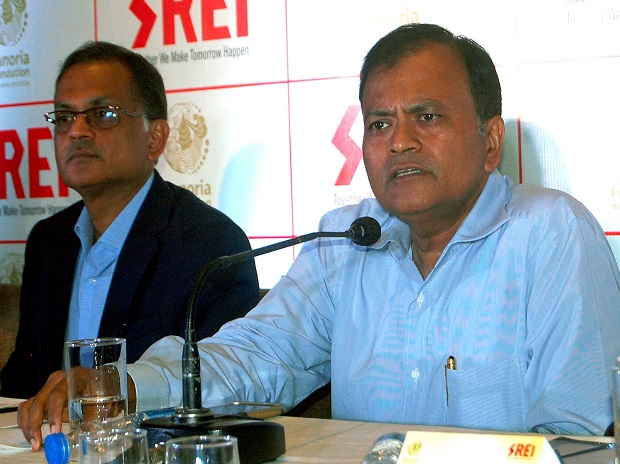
{"type": "Point", "coordinates": [174, 236]}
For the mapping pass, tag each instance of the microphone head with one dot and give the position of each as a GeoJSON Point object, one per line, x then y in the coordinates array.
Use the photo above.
{"type": "Point", "coordinates": [365, 231]}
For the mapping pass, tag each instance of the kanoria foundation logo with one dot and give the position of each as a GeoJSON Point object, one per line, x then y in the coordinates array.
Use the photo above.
{"type": "Point", "coordinates": [11, 268]}
{"type": "Point", "coordinates": [13, 20]}
{"type": "Point", "coordinates": [186, 148]}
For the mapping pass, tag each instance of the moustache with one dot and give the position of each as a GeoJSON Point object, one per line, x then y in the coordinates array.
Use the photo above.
{"type": "Point", "coordinates": [86, 145]}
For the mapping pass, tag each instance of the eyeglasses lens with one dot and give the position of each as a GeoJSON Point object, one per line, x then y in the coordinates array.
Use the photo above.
{"type": "Point", "coordinates": [97, 118]}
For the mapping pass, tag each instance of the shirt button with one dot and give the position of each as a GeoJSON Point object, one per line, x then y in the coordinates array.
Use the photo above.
{"type": "Point", "coordinates": [93, 280]}
{"type": "Point", "coordinates": [415, 374]}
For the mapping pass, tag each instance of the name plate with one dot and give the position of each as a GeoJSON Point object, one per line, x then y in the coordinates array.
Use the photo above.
{"type": "Point", "coordinates": [449, 447]}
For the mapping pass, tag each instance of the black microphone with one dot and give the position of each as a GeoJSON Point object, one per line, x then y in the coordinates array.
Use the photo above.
{"type": "Point", "coordinates": [258, 441]}
{"type": "Point", "coordinates": [364, 231]}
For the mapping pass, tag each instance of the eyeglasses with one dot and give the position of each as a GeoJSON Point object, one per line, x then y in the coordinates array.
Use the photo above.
{"type": "Point", "coordinates": [101, 117]}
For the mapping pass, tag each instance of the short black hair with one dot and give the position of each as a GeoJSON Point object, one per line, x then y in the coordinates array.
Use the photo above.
{"type": "Point", "coordinates": [147, 82]}
{"type": "Point", "coordinates": [411, 38]}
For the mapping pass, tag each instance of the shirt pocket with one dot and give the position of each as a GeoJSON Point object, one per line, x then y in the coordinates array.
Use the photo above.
{"type": "Point", "coordinates": [487, 397]}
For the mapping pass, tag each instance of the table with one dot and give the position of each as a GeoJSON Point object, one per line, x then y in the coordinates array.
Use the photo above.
{"type": "Point", "coordinates": [325, 441]}
{"type": "Point", "coordinates": [308, 441]}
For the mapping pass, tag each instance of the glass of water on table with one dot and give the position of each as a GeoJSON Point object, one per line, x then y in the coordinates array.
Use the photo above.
{"type": "Point", "coordinates": [96, 379]}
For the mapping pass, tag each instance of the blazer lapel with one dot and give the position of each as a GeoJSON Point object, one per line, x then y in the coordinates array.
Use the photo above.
{"type": "Point", "coordinates": [60, 272]}
{"type": "Point", "coordinates": [140, 246]}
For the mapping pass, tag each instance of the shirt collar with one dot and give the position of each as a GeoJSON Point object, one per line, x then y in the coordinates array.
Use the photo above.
{"type": "Point", "coordinates": [117, 232]}
{"type": "Point", "coordinates": [392, 229]}
{"type": "Point", "coordinates": [488, 214]}
{"type": "Point", "coordinates": [489, 211]}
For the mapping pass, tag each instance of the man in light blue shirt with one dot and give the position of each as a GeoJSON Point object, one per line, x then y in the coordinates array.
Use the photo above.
{"type": "Point", "coordinates": [516, 285]}
{"type": "Point", "coordinates": [525, 297]}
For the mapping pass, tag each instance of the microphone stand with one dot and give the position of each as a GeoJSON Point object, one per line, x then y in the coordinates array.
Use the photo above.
{"type": "Point", "coordinates": [191, 411]}
{"type": "Point", "coordinates": [258, 441]}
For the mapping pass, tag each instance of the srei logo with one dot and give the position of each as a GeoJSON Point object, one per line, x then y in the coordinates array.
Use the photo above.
{"type": "Point", "coordinates": [14, 152]}
{"type": "Point", "coordinates": [521, 451]}
{"type": "Point", "coordinates": [175, 12]}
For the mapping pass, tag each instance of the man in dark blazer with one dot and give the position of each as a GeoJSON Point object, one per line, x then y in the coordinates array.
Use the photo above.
{"type": "Point", "coordinates": [173, 237]}
{"type": "Point", "coordinates": [108, 135]}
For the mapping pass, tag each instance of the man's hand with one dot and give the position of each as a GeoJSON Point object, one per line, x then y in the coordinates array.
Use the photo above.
{"type": "Point", "coordinates": [50, 403]}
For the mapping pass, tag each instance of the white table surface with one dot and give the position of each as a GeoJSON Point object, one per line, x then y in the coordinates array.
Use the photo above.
{"type": "Point", "coordinates": [308, 441]}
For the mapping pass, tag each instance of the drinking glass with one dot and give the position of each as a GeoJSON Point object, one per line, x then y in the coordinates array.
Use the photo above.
{"type": "Point", "coordinates": [117, 446]}
{"type": "Point", "coordinates": [96, 379]}
{"type": "Point", "coordinates": [202, 449]}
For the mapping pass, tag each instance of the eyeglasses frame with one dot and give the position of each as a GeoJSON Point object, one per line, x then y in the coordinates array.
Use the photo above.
{"type": "Point", "coordinates": [49, 116]}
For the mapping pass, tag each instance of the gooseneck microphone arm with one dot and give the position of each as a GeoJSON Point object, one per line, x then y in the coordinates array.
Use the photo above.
{"type": "Point", "coordinates": [363, 231]}
{"type": "Point", "coordinates": [192, 398]}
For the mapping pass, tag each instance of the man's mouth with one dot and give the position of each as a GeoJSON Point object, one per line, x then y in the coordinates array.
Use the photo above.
{"type": "Point", "coordinates": [406, 172]}
{"type": "Point", "coordinates": [79, 155]}
{"type": "Point", "coordinates": [80, 152]}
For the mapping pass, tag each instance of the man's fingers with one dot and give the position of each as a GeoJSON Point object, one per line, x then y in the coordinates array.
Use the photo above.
{"type": "Point", "coordinates": [22, 416]}
{"type": "Point", "coordinates": [31, 413]}
{"type": "Point", "coordinates": [30, 416]}
{"type": "Point", "coordinates": [57, 407]}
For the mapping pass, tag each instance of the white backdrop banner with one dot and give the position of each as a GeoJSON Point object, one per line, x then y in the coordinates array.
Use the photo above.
{"type": "Point", "coordinates": [262, 96]}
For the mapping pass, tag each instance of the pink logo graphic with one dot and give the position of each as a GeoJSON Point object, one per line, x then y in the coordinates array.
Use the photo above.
{"type": "Point", "coordinates": [346, 145]}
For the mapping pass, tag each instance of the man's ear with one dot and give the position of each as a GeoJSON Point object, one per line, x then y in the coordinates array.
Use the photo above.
{"type": "Point", "coordinates": [494, 137]}
{"type": "Point", "coordinates": [158, 132]}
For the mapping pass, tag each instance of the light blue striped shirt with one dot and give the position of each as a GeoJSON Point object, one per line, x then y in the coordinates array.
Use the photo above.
{"type": "Point", "coordinates": [526, 297]}
{"type": "Point", "coordinates": [95, 267]}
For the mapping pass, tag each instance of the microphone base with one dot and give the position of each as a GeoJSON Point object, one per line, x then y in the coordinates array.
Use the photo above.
{"type": "Point", "coordinates": [259, 441]}
{"type": "Point", "coordinates": [192, 416]}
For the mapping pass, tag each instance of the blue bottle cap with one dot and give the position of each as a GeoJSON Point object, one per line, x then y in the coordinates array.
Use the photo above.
{"type": "Point", "coordinates": [56, 448]}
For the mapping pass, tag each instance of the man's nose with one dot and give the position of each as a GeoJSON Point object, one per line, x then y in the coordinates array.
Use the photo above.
{"type": "Point", "coordinates": [80, 126]}
{"type": "Point", "coordinates": [405, 137]}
